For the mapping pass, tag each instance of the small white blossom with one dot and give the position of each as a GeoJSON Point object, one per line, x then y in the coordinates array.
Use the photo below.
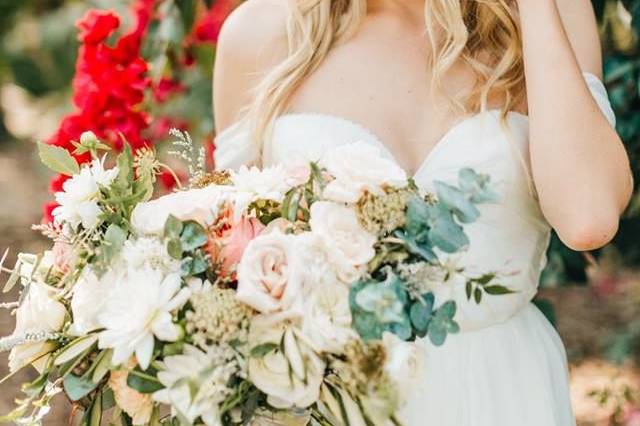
{"type": "Point", "coordinates": [149, 252]}
{"type": "Point", "coordinates": [78, 200]}
{"type": "Point", "coordinates": [270, 183]}
{"type": "Point", "coordinates": [196, 382]}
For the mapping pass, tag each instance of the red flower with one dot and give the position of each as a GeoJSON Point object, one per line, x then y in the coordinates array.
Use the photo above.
{"type": "Point", "coordinates": [167, 87]}
{"type": "Point", "coordinates": [207, 29]}
{"type": "Point", "coordinates": [56, 183]}
{"type": "Point", "coordinates": [168, 180]}
{"type": "Point", "coordinates": [96, 25]}
{"type": "Point", "coordinates": [47, 210]}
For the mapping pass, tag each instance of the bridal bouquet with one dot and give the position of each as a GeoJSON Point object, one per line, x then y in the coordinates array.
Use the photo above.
{"type": "Point", "coordinates": [290, 294]}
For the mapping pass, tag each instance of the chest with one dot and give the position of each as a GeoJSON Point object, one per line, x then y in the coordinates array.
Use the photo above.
{"type": "Point", "coordinates": [382, 81]}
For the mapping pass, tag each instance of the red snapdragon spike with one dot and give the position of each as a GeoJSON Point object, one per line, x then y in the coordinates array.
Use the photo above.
{"type": "Point", "coordinates": [96, 25]}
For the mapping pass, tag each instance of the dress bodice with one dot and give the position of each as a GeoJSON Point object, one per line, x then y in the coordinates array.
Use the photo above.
{"type": "Point", "coordinates": [511, 236]}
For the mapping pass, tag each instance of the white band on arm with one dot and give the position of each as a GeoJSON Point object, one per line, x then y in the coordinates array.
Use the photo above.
{"type": "Point", "coordinates": [599, 92]}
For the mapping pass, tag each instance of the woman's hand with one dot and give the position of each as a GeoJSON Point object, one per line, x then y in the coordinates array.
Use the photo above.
{"type": "Point", "coordinates": [579, 164]}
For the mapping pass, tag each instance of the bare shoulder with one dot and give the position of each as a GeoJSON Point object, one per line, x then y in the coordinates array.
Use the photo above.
{"type": "Point", "coordinates": [252, 40]}
{"type": "Point", "coordinates": [580, 24]}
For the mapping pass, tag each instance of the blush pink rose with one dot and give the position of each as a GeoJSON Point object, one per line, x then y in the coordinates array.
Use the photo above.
{"type": "Point", "coordinates": [233, 241]}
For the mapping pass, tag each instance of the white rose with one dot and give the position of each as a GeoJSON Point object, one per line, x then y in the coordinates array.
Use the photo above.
{"type": "Point", "coordinates": [271, 274]}
{"type": "Point", "coordinates": [405, 364]}
{"type": "Point", "coordinates": [349, 245]}
{"type": "Point", "coordinates": [357, 168]}
{"type": "Point", "coordinates": [39, 312]}
{"type": "Point", "coordinates": [327, 317]}
{"type": "Point", "coordinates": [200, 205]}
{"type": "Point", "coordinates": [290, 378]}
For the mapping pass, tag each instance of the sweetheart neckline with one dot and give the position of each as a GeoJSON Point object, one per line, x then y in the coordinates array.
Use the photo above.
{"type": "Point", "coordinates": [440, 144]}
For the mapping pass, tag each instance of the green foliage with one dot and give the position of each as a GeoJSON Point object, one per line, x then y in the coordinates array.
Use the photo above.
{"type": "Point", "coordinates": [58, 159]}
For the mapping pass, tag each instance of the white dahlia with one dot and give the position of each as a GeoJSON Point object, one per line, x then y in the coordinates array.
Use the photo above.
{"type": "Point", "coordinates": [139, 308]}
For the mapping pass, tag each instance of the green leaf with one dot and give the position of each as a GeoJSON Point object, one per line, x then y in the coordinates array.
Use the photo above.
{"type": "Point", "coordinates": [125, 166]}
{"type": "Point", "coordinates": [457, 201]}
{"type": "Point", "coordinates": [77, 388]}
{"type": "Point", "coordinates": [58, 159]}
{"type": "Point", "coordinates": [95, 417]}
{"type": "Point", "coordinates": [193, 236]}
{"type": "Point", "coordinates": [143, 382]}
{"type": "Point", "coordinates": [414, 247]}
{"type": "Point", "coordinates": [445, 233]}
{"type": "Point", "coordinates": [114, 239]}
{"type": "Point", "coordinates": [476, 186]}
{"type": "Point", "coordinates": [75, 349]}
{"type": "Point", "coordinates": [187, 13]}
{"type": "Point", "coordinates": [477, 295]}
{"type": "Point", "coordinates": [420, 314]}
{"type": "Point", "coordinates": [172, 227]}
{"type": "Point", "coordinates": [193, 265]}
{"type": "Point", "coordinates": [497, 290]}
{"type": "Point", "coordinates": [468, 289]}
{"type": "Point", "coordinates": [102, 365]}
{"type": "Point", "coordinates": [174, 248]}
{"type": "Point", "coordinates": [264, 349]}
{"type": "Point", "coordinates": [13, 279]}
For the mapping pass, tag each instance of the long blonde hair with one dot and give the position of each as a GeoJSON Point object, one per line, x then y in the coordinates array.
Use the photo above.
{"type": "Point", "coordinates": [483, 34]}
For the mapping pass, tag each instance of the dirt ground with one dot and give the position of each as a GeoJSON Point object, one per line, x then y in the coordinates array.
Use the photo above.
{"type": "Point", "coordinates": [585, 319]}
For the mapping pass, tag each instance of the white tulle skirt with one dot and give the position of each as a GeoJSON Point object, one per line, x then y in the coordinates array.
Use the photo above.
{"type": "Point", "coordinates": [509, 374]}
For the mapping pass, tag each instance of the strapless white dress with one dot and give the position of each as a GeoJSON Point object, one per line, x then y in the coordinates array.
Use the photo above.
{"type": "Point", "coordinates": [507, 366]}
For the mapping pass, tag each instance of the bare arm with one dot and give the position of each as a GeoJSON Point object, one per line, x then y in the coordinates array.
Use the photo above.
{"type": "Point", "coordinates": [252, 40]}
{"type": "Point", "coordinates": [580, 166]}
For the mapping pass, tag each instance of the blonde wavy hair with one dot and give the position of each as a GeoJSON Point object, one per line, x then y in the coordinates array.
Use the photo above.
{"type": "Point", "coordinates": [483, 34]}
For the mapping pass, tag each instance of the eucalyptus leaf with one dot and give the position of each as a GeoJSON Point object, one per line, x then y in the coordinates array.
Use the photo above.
{"type": "Point", "coordinates": [174, 248]}
{"type": "Point", "coordinates": [420, 314]}
{"type": "Point", "coordinates": [76, 387]}
{"type": "Point", "coordinates": [58, 159]}
{"type": "Point", "coordinates": [193, 236]}
{"type": "Point", "coordinates": [445, 233]}
{"type": "Point", "coordinates": [476, 186]}
{"type": "Point", "coordinates": [172, 227]}
{"type": "Point", "coordinates": [457, 201]}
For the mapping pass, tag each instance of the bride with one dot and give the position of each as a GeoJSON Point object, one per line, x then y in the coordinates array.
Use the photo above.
{"type": "Point", "coordinates": [510, 88]}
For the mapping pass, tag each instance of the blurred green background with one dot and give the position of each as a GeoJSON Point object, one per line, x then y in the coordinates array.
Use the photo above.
{"type": "Point", "coordinates": [594, 299]}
